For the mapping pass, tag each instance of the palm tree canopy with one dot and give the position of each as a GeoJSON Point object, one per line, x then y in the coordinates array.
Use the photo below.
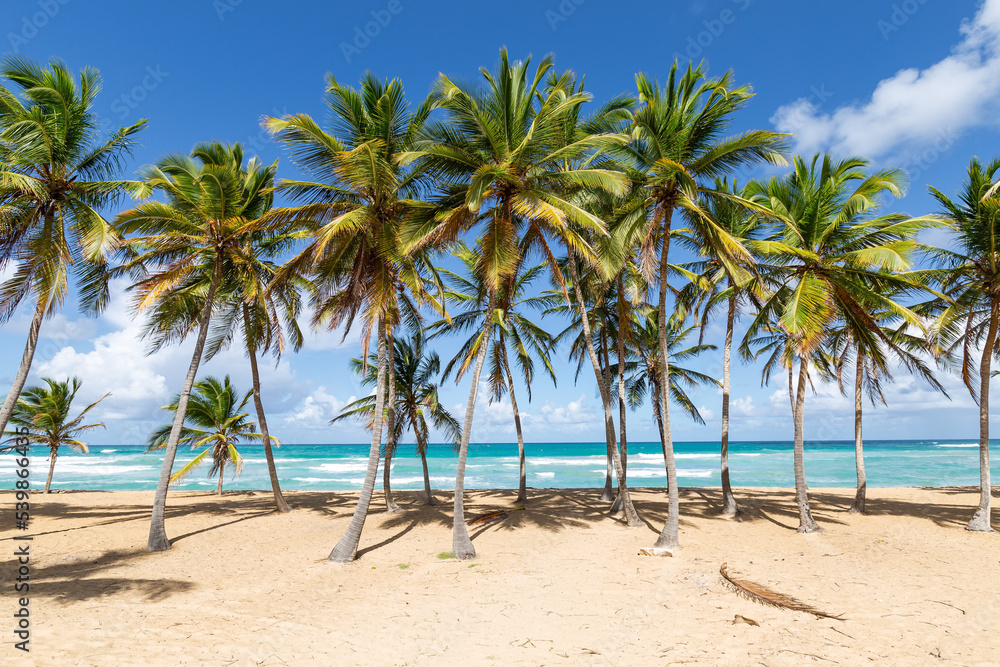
{"type": "Point", "coordinates": [216, 420]}
{"type": "Point", "coordinates": [56, 174]}
{"type": "Point", "coordinates": [45, 412]}
{"type": "Point", "coordinates": [417, 404]}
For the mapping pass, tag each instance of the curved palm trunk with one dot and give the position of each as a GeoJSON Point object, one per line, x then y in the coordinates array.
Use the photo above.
{"type": "Point", "coordinates": [631, 517]}
{"type": "Point", "coordinates": [22, 373]}
{"type": "Point", "coordinates": [272, 472]}
{"type": "Point", "coordinates": [659, 423]}
{"type": "Point", "coordinates": [218, 489]}
{"type": "Point", "coordinates": [729, 506]}
{"type": "Point", "coordinates": [461, 545]}
{"type": "Point", "coordinates": [622, 434]}
{"type": "Point", "coordinates": [522, 489]}
{"type": "Point", "coordinates": [609, 473]}
{"type": "Point", "coordinates": [157, 530]}
{"type": "Point", "coordinates": [347, 547]}
{"type": "Point", "coordinates": [669, 538]}
{"type": "Point", "coordinates": [52, 468]}
{"type": "Point", "coordinates": [806, 522]}
{"type": "Point", "coordinates": [981, 520]}
{"type": "Point", "coordinates": [859, 453]}
{"type": "Point", "coordinates": [422, 449]}
{"type": "Point", "coordinates": [390, 422]}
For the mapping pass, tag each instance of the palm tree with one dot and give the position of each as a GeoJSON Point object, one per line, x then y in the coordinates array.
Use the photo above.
{"type": "Point", "coordinates": [496, 157]}
{"type": "Point", "coordinates": [55, 177]}
{"type": "Point", "coordinates": [715, 281]}
{"type": "Point", "coordinates": [678, 142]}
{"type": "Point", "coordinates": [246, 301]}
{"type": "Point", "coordinates": [216, 421]}
{"type": "Point", "coordinates": [835, 261]}
{"type": "Point", "coordinates": [212, 205]}
{"type": "Point", "coordinates": [968, 316]}
{"type": "Point", "coordinates": [44, 413]}
{"type": "Point", "coordinates": [355, 208]}
{"type": "Point", "coordinates": [873, 369]}
{"type": "Point", "coordinates": [515, 335]}
{"type": "Point", "coordinates": [416, 399]}
{"type": "Point", "coordinates": [642, 370]}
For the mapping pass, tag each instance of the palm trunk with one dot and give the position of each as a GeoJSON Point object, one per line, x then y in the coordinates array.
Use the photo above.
{"type": "Point", "coordinates": [659, 423]}
{"type": "Point", "coordinates": [422, 449]}
{"type": "Point", "coordinates": [158, 540]}
{"type": "Point", "coordinates": [669, 538]}
{"type": "Point", "coordinates": [22, 373]}
{"type": "Point", "coordinates": [622, 409]}
{"type": "Point", "coordinates": [729, 506]}
{"type": "Point", "coordinates": [983, 517]}
{"type": "Point", "coordinates": [218, 489]}
{"type": "Point", "coordinates": [631, 517]}
{"type": "Point", "coordinates": [347, 547]}
{"type": "Point", "coordinates": [806, 522]}
{"type": "Point", "coordinates": [859, 453]}
{"type": "Point", "coordinates": [390, 422]}
{"type": "Point", "coordinates": [52, 468]}
{"type": "Point", "coordinates": [609, 473]}
{"type": "Point", "coordinates": [522, 489]}
{"type": "Point", "coordinates": [461, 545]}
{"type": "Point", "coordinates": [272, 472]}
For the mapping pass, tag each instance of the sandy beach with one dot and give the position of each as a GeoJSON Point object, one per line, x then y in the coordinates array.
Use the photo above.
{"type": "Point", "coordinates": [559, 583]}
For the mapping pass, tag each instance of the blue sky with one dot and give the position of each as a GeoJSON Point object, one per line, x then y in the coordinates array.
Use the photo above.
{"type": "Point", "coordinates": [912, 83]}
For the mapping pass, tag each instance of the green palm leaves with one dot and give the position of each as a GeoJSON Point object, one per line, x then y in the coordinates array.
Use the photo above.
{"type": "Point", "coordinates": [215, 420]}
{"type": "Point", "coordinates": [45, 412]}
{"type": "Point", "coordinates": [56, 175]}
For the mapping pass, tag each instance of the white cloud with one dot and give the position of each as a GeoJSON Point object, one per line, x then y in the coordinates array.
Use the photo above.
{"type": "Point", "coordinates": [743, 406]}
{"type": "Point", "coordinates": [317, 410]}
{"type": "Point", "coordinates": [576, 413]}
{"type": "Point", "coordinates": [916, 107]}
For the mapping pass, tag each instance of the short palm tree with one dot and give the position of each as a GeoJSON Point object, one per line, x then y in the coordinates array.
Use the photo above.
{"type": "Point", "coordinates": [354, 210]}
{"type": "Point", "coordinates": [835, 260]}
{"type": "Point", "coordinates": [417, 404]}
{"type": "Point", "coordinates": [216, 420]}
{"type": "Point", "coordinates": [678, 143]}
{"type": "Point", "coordinates": [44, 413]}
{"type": "Point", "coordinates": [497, 157]}
{"type": "Point", "coordinates": [211, 207]}
{"type": "Point", "coordinates": [514, 336]}
{"type": "Point", "coordinates": [970, 279]}
{"type": "Point", "coordinates": [56, 175]}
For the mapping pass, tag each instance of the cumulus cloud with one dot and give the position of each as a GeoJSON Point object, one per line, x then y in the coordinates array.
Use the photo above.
{"type": "Point", "coordinates": [317, 410]}
{"type": "Point", "coordinates": [915, 107]}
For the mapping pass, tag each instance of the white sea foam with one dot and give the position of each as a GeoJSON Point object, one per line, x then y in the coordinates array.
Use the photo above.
{"type": "Point", "coordinates": [340, 467]}
{"type": "Point", "coordinates": [420, 479]}
{"type": "Point", "coordinates": [695, 473]}
{"type": "Point", "coordinates": [84, 469]}
{"type": "Point", "coordinates": [546, 475]}
{"type": "Point", "coordinates": [748, 455]}
{"type": "Point", "coordinates": [312, 480]}
{"type": "Point", "coordinates": [960, 445]}
{"type": "Point", "coordinates": [108, 451]}
{"type": "Point", "coordinates": [570, 461]}
{"type": "Point", "coordinates": [645, 474]}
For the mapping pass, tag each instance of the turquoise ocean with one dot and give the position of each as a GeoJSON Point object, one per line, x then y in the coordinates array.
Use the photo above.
{"type": "Point", "coordinates": [550, 465]}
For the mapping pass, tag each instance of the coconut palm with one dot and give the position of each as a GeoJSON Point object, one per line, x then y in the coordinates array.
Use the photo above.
{"type": "Point", "coordinates": [416, 396]}
{"type": "Point", "coordinates": [968, 317]}
{"type": "Point", "coordinates": [246, 301]}
{"type": "Point", "coordinates": [211, 207]}
{"type": "Point", "coordinates": [716, 282]}
{"type": "Point", "coordinates": [872, 370]}
{"type": "Point", "coordinates": [42, 415]}
{"type": "Point", "coordinates": [642, 369]}
{"type": "Point", "coordinates": [354, 208]}
{"type": "Point", "coordinates": [496, 157]}
{"type": "Point", "coordinates": [216, 421]}
{"type": "Point", "coordinates": [678, 143]}
{"type": "Point", "coordinates": [514, 336]}
{"type": "Point", "coordinates": [56, 176]}
{"type": "Point", "coordinates": [835, 261]}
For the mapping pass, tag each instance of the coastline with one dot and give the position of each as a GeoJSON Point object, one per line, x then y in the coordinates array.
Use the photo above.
{"type": "Point", "coordinates": [557, 583]}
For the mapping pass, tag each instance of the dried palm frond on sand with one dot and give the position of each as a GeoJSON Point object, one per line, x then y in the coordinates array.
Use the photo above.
{"type": "Point", "coordinates": [765, 596]}
{"type": "Point", "coordinates": [493, 515]}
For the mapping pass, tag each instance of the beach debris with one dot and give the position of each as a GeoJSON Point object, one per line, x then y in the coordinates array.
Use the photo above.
{"type": "Point", "coordinates": [743, 619]}
{"type": "Point", "coordinates": [654, 551]}
{"type": "Point", "coordinates": [493, 515]}
{"type": "Point", "coordinates": [770, 598]}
